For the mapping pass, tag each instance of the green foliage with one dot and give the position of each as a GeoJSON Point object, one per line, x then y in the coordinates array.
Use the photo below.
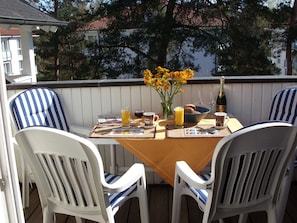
{"type": "Point", "coordinates": [146, 34]}
{"type": "Point", "coordinates": [244, 44]}
{"type": "Point", "coordinates": [60, 55]}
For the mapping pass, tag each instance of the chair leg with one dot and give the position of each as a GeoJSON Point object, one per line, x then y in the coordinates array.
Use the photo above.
{"type": "Point", "coordinates": [143, 202]}
{"type": "Point", "coordinates": [272, 216]}
{"type": "Point", "coordinates": [144, 213]}
{"type": "Point", "coordinates": [284, 194]}
{"type": "Point", "coordinates": [176, 204]}
{"type": "Point", "coordinates": [48, 217]}
{"type": "Point", "coordinates": [26, 194]}
{"type": "Point", "coordinates": [78, 220]}
{"type": "Point", "coordinates": [25, 189]}
{"type": "Point", "coordinates": [243, 218]}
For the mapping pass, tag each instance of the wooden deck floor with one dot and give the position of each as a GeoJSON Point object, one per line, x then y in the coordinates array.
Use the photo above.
{"type": "Point", "coordinates": [160, 201]}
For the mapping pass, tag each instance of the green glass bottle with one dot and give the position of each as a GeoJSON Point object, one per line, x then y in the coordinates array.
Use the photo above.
{"type": "Point", "coordinates": [221, 103]}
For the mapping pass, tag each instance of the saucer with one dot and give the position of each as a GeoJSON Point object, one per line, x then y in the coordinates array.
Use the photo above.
{"type": "Point", "coordinates": [220, 127]}
{"type": "Point", "coordinates": [149, 127]}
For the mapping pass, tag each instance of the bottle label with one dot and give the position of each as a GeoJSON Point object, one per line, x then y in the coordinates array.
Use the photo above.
{"type": "Point", "coordinates": [221, 108]}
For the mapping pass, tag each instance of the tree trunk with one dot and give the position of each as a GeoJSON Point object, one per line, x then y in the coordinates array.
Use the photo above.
{"type": "Point", "coordinates": [56, 56]}
{"type": "Point", "coordinates": [290, 39]}
{"type": "Point", "coordinates": [165, 33]}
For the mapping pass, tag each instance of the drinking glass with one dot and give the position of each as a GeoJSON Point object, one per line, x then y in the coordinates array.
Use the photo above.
{"type": "Point", "coordinates": [212, 102]}
{"type": "Point", "coordinates": [138, 113]}
{"type": "Point", "coordinates": [125, 115]}
{"type": "Point", "coordinates": [179, 116]}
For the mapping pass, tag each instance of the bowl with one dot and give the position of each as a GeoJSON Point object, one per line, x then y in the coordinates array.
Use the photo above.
{"type": "Point", "coordinates": [194, 118]}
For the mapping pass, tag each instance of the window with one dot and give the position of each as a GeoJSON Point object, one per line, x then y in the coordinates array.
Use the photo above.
{"type": "Point", "coordinates": [92, 39]}
{"type": "Point", "coordinates": [6, 54]}
{"type": "Point", "coordinates": [21, 66]}
{"type": "Point", "coordinates": [19, 47]}
{"type": "Point", "coordinates": [7, 68]}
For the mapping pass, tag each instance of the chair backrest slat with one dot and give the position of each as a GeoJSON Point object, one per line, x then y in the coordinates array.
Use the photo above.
{"type": "Point", "coordinates": [241, 175]}
{"type": "Point", "coordinates": [53, 190]}
{"type": "Point", "coordinates": [53, 169]}
{"type": "Point", "coordinates": [253, 163]}
{"type": "Point", "coordinates": [83, 182]}
{"type": "Point", "coordinates": [92, 198]}
{"type": "Point", "coordinates": [67, 179]}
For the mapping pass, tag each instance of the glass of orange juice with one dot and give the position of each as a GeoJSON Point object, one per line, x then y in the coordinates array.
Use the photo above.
{"type": "Point", "coordinates": [179, 116]}
{"type": "Point", "coordinates": [125, 116]}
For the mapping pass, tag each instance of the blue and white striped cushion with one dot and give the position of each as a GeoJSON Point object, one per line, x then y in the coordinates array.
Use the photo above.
{"type": "Point", "coordinates": [201, 194]}
{"type": "Point", "coordinates": [284, 106]}
{"type": "Point", "coordinates": [116, 198]}
{"type": "Point", "coordinates": [39, 107]}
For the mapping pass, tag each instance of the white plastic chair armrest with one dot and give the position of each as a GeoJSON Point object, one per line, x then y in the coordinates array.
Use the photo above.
{"type": "Point", "coordinates": [14, 142]}
{"type": "Point", "coordinates": [131, 176]}
{"type": "Point", "coordinates": [79, 130]}
{"type": "Point", "coordinates": [184, 171]}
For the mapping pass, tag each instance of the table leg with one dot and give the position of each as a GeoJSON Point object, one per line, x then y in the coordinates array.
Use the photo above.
{"type": "Point", "coordinates": [113, 165]}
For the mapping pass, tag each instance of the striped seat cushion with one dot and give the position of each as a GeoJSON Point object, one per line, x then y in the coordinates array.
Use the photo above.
{"type": "Point", "coordinates": [39, 107]}
{"type": "Point", "coordinates": [116, 198]}
{"type": "Point", "coordinates": [284, 106]}
{"type": "Point", "coordinates": [201, 194]}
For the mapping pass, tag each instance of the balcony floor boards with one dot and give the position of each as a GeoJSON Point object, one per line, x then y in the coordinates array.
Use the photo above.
{"type": "Point", "coordinates": [160, 201]}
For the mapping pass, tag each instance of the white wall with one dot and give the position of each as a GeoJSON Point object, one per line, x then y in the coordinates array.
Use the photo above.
{"type": "Point", "coordinates": [15, 57]}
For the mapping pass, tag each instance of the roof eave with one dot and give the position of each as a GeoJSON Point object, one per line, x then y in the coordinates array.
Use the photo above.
{"type": "Point", "coordinates": [32, 22]}
{"type": "Point", "coordinates": [35, 25]}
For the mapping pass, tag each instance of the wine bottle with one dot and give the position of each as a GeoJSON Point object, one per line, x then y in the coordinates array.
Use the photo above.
{"type": "Point", "coordinates": [221, 103]}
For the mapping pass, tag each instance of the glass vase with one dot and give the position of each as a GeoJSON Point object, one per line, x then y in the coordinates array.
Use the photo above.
{"type": "Point", "coordinates": [167, 111]}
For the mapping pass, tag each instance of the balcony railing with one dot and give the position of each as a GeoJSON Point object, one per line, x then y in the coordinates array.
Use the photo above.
{"type": "Point", "coordinates": [248, 99]}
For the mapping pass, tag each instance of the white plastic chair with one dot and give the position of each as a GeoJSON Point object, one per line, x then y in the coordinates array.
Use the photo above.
{"type": "Point", "coordinates": [247, 170]}
{"type": "Point", "coordinates": [70, 178]}
{"type": "Point", "coordinates": [36, 107]}
{"type": "Point", "coordinates": [284, 108]}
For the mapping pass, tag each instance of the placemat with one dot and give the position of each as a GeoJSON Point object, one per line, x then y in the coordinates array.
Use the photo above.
{"type": "Point", "coordinates": [116, 131]}
{"type": "Point", "coordinates": [203, 130]}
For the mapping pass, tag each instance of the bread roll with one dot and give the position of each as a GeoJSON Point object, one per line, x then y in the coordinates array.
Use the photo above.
{"type": "Point", "coordinates": [191, 106]}
{"type": "Point", "coordinates": [189, 110]}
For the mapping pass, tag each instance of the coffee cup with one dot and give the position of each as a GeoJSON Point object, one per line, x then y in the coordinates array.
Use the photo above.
{"type": "Point", "coordinates": [221, 119]}
{"type": "Point", "coordinates": [149, 119]}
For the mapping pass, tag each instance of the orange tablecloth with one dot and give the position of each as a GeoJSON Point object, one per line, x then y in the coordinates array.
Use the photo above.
{"type": "Point", "coordinates": [161, 153]}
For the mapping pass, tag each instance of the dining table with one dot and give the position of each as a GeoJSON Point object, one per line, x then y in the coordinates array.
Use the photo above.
{"type": "Point", "coordinates": [163, 145]}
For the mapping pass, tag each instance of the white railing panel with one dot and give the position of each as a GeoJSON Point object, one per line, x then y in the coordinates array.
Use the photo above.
{"type": "Point", "coordinates": [249, 102]}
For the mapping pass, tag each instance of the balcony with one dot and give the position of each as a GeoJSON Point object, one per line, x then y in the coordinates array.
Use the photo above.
{"type": "Point", "coordinates": [248, 98]}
